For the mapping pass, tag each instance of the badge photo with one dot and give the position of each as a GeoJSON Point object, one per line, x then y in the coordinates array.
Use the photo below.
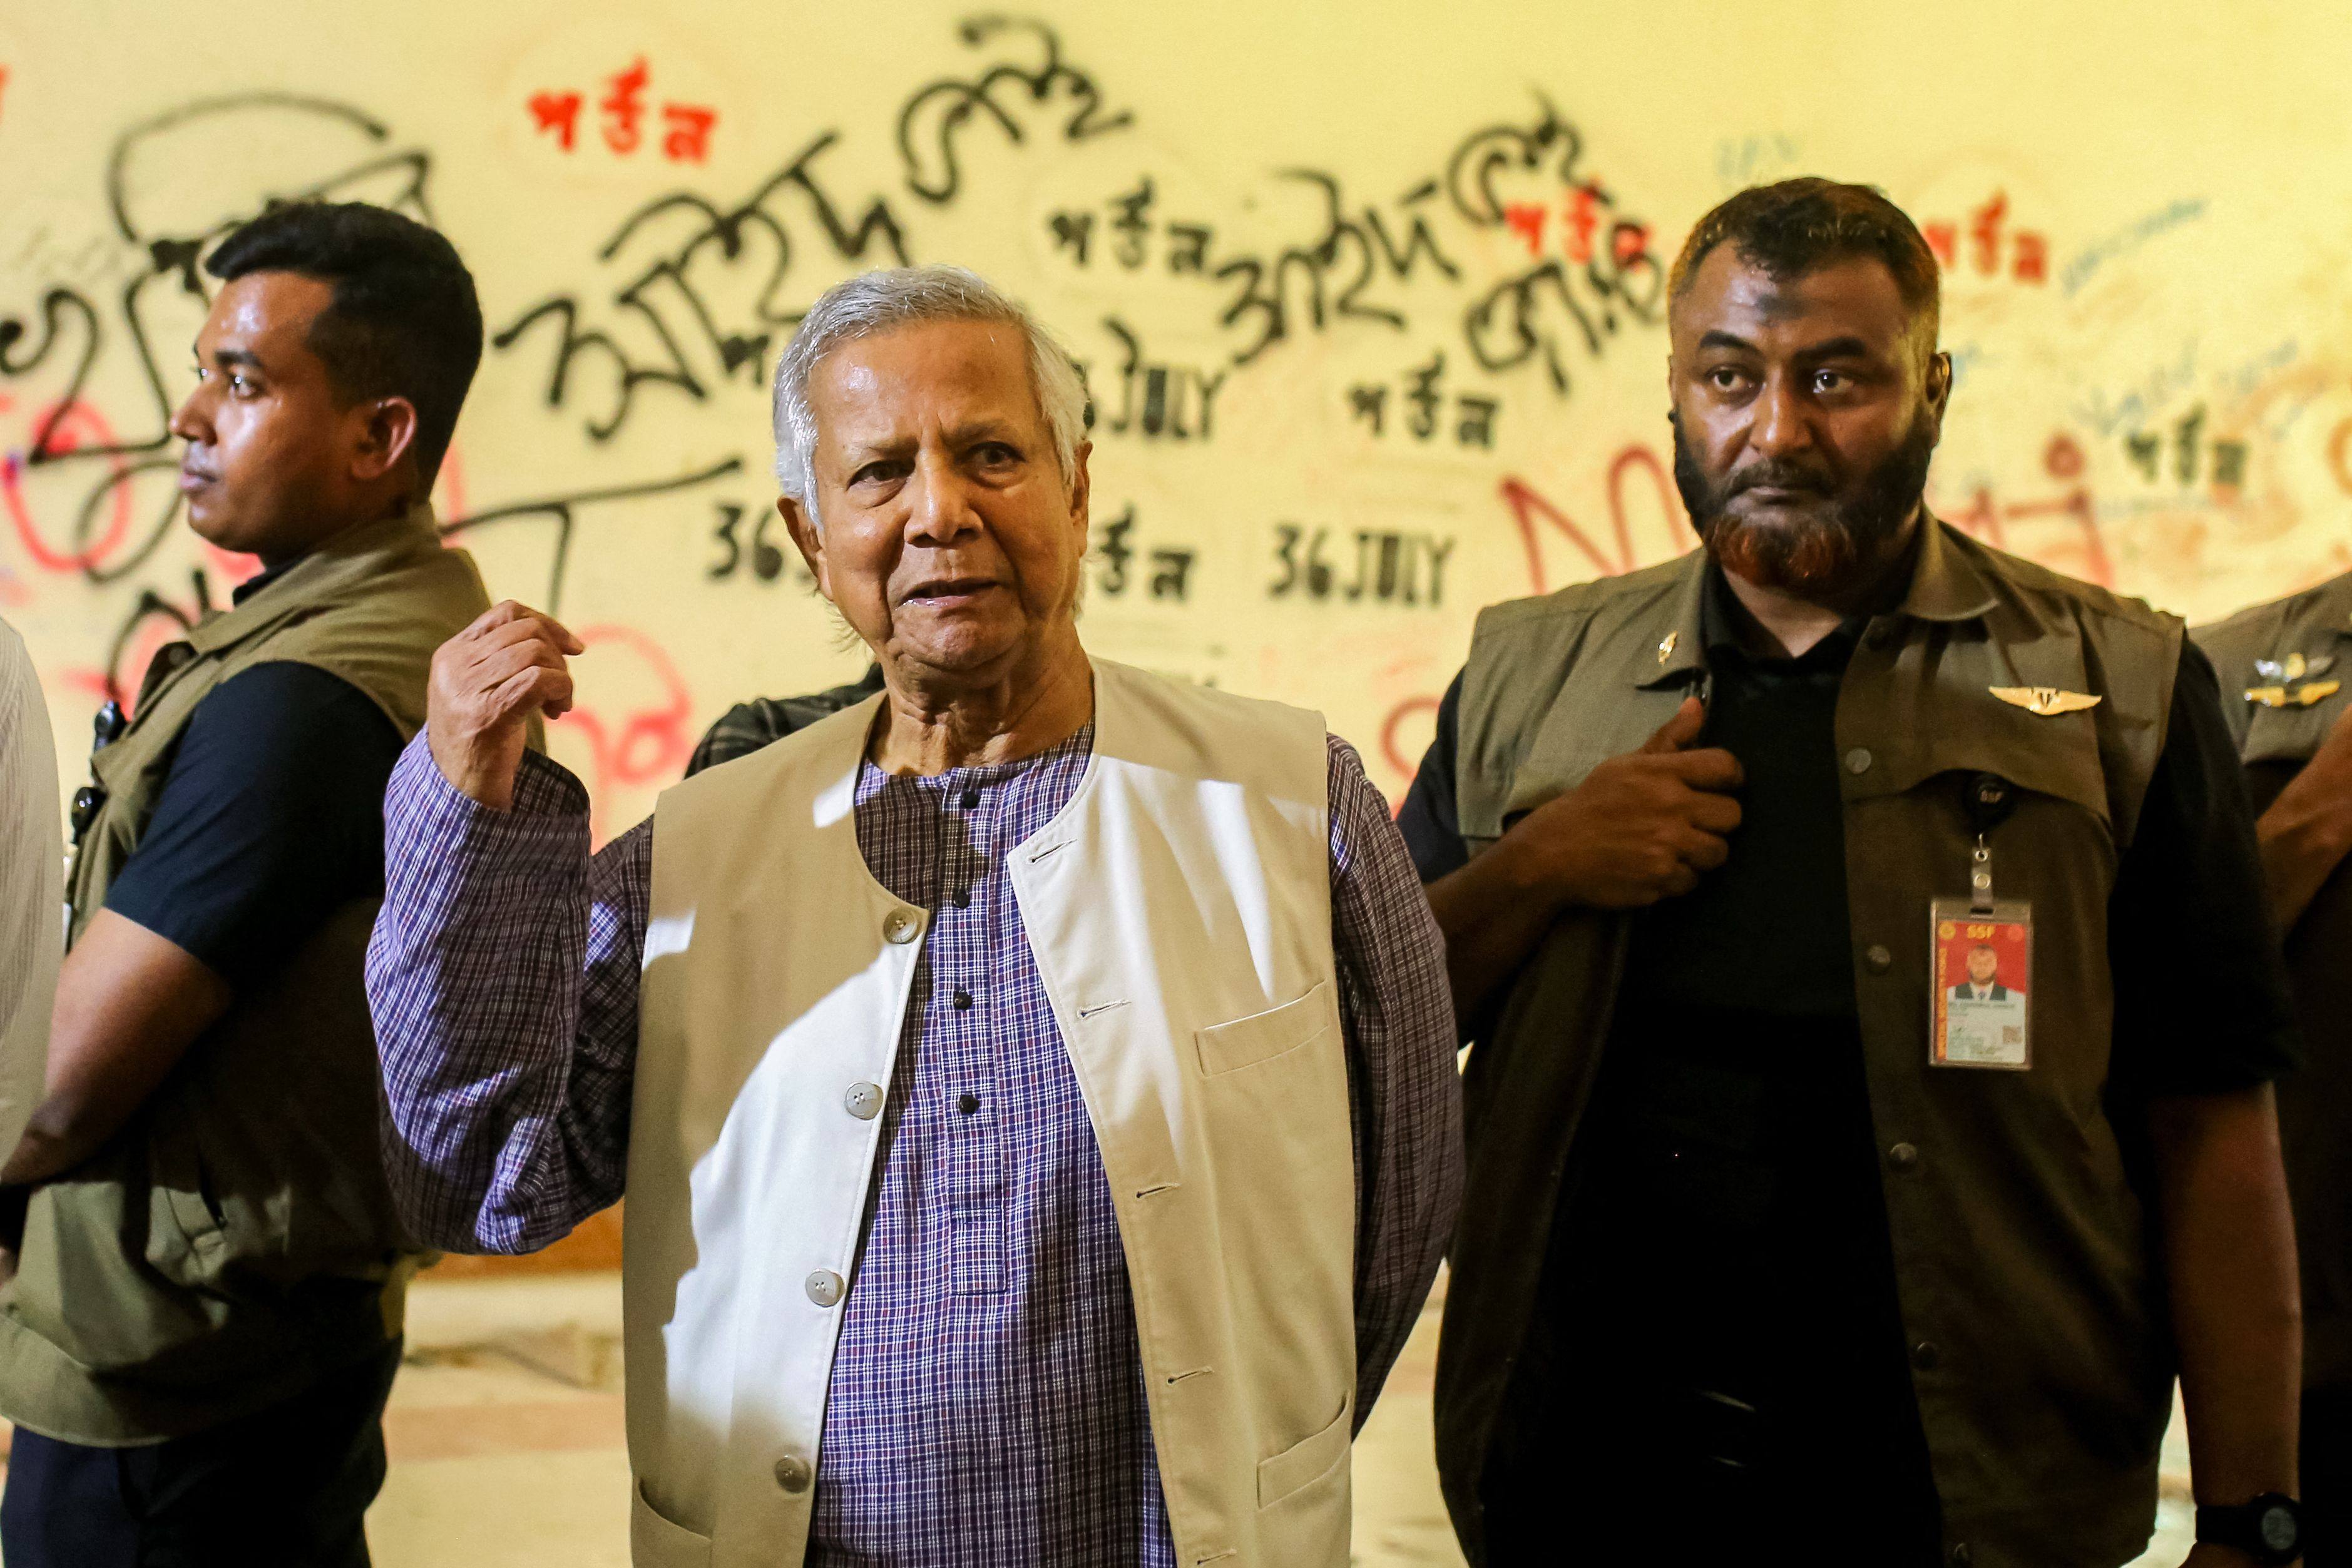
{"type": "Point", "coordinates": [1981, 984]}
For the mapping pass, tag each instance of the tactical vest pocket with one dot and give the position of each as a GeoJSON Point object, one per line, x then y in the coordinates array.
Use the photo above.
{"type": "Point", "coordinates": [1260, 1037]}
{"type": "Point", "coordinates": [1306, 1462]}
{"type": "Point", "coordinates": [656, 1542]}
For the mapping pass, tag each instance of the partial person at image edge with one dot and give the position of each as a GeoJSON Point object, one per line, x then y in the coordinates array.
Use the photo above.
{"type": "Point", "coordinates": [2284, 667]}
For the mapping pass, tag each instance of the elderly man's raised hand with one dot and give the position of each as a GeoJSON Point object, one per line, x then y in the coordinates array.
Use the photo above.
{"type": "Point", "coordinates": [1642, 826]}
{"type": "Point", "coordinates": [487, 682]}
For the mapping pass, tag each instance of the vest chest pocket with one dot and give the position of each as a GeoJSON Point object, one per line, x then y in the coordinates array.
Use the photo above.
{"type": "Point", "coordinates": [1261, 1037]}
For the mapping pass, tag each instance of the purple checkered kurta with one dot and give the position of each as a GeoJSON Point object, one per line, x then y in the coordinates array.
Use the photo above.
{"type": "Point", "coordinates": [987, 1401]}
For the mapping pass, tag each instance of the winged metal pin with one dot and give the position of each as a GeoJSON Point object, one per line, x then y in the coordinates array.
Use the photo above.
{"type": "Point", "coordinates": [2045, 701]}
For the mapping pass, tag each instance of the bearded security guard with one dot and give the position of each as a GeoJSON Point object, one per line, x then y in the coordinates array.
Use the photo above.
{"type": "Point", "coordinates": [2283, 667]}
{"type": "Point", "coordinates": [1782, 1236]}
{"type": "Point", "coordinates": [203, 1320]}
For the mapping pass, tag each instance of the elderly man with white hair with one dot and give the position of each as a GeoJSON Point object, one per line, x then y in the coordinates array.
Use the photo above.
{"type": "Point", "coordinates": [1033, 1086]}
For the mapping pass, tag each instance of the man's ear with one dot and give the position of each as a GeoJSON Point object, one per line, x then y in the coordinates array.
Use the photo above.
{"type": "Point", "coordinates": [1081, 488]}
{"type": "Point", "coordinates": [1939, 386]}
{"type": "Point", "coordinates": [387, 436]}
{"type": "Point", "coordinates": [807, 538]}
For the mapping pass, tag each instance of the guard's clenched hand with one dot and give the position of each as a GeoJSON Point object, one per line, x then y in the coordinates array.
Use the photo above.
{"type": "Point", "coordinates": [1642, 827]}
{"type": "Point", "coordinates": [487, 682]}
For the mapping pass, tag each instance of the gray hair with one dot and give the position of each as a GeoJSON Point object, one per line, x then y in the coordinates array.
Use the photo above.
{"type": "Point", "coordinates": [875, 302]}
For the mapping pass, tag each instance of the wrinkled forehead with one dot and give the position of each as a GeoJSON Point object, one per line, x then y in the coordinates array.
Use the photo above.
{"type": "Point", "coordinates": [925, 375]}
{"type": "Point", "coordinates": [1852, 297]}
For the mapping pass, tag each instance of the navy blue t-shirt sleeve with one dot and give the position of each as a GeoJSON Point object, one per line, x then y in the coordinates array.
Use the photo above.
{"type": "Point", "coordinates": [1430, 819]}
{"type": "Point", "coordinates": [271, 819]}
{"type": "Point", "coordinates": [2202, 994]}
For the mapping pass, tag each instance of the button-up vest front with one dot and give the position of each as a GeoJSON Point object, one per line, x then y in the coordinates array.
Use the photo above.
{"type": "Point", "coordinates": [1179, 912]}
{"type": "Point", "coordinates": [2033, 1307]}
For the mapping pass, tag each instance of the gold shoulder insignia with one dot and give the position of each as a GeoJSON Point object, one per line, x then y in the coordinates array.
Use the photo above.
{"type": "Point", "coordinates": [2304, 696]}
{"type": "Point", "coordinates": [2045, 701]}
{"type": "Point", "coordinates": [1666, 645]}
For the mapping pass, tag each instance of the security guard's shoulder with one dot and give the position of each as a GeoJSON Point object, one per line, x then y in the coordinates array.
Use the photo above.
{"type": "Point", "coordinates": [2263, 630]}
{"type": "Point", "coordinates": [2040, 590]}
{"type": "Point", "coordinates": [1634, 593]}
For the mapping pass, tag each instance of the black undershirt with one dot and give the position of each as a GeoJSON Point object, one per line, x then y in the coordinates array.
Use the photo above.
{"type": "Point", "coordinates": [270, 818]}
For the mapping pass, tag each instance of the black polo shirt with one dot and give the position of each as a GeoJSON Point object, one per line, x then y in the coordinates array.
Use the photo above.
{"type": "Point", "coordinates": [270, 818]}
{"type": "Point", "coordinates": [1721, 1289]}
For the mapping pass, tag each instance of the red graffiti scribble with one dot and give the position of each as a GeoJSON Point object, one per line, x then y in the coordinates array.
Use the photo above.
{"type": "Point", "coordinates": [1528, 506]}
{"type": "Point", "coordinates": [624, 105]}
{"type": "Point", "coordinates": [1527, 220]}
{"type": "Point", "coordinates": [2029, 249]}
{"type": "Point", "coordinates": [686, 126]}
{"type": "Point", "coordinates": [1988, 519]}
{"type": "Point", "coordinates": [559, 112]}
{"type": "Point", "coordinates": [643, 745]}
{"type": "Point", "coordinates": [69, 426]}
{"type": "Point", "coordinates": [687, 139]}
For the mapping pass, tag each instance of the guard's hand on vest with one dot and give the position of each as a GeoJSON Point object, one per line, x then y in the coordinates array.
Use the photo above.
{"type": "Point", "coordinates": [1642, 827]}
{"type": "Point", "coordinates": [487, 682]}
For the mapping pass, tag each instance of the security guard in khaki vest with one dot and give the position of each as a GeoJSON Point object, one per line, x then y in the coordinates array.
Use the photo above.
{"type": "Point", "coordinates": [204, 1314]}
{"type": "Point", "coordinates": [2284, 667]}
{"type": "Point", "coordinates": [1785, 1237]}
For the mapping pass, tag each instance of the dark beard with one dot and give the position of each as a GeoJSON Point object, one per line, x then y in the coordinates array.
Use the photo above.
{"type": "Point", "coordinates": [1820, 554]}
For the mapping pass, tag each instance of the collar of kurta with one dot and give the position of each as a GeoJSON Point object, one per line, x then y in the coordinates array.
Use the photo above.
{"type": "Point", "coordinates": [1945, 586]}
{"type": "Point", "coordinates": [350, 557]}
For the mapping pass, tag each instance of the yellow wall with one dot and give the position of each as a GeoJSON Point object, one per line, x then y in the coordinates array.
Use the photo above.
{"type": "Point", "coordinates": [2166, 406]}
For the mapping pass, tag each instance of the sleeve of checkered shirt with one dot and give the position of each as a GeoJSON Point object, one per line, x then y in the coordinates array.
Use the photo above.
{"type": "Point", "coordinates": [503, 979]}
{"type": "Point", "coordinates": [1405, 1095]}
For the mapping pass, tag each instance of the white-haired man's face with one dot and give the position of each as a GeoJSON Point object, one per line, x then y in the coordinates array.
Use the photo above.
{"type": "Point", "coordinates": [950, 544]}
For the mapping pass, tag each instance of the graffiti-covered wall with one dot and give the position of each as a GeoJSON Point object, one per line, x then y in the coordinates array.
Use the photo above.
{"type": "Point", "coordinates": [1370, 298]}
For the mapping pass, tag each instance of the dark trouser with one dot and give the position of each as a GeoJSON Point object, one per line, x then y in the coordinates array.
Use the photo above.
{"type": "Point", "coordinates": [287, 1487]}
{"type": "Point", "coordinates": [2327, 1477]}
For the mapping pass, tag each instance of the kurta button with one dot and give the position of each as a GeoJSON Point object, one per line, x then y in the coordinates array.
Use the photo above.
{"type": "Point", "coordinates": [1903, 1156]}
{"type": "Point", "coordinates": [1925, 1355]}
{"type": "Point", "coordinates": [792, 1473]}
{"type": "Point", "coordinates": [899, 927]}
{"type": "Point", "coordinates": [970, 798]}
{"type": "Point", "coordinates": [824, 1287]}
{"type": "Point", "coordinates": [1879, 959]}
{"type": "Point", "coordinates": [1960, 1556]}
{"type": "Point", "coordinates": [863, 1099]}
{"type": "Point", "coordinates": [963, 898]}
{"type": "Point", "coordinates": [962, 1001]}
{"type": "Point", "coordinates": [1857, 761]}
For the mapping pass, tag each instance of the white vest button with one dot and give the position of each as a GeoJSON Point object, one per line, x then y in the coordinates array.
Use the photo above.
{"type": "Point", "coordinates": [824, 1287]}
{"type": "Point", "coordinates": [792, 1473]}
{"type": "Point", "coordinates": [863, 1099]}
{"type": "Point", "coordinates": [899, 926]}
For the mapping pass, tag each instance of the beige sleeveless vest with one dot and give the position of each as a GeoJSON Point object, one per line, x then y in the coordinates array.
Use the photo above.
{"type": "Point", "coordinates": [1179, 910]}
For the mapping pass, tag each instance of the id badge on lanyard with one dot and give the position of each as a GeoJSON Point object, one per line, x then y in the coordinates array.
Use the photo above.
{"type": "Point", "coordinates": [1980, 967]}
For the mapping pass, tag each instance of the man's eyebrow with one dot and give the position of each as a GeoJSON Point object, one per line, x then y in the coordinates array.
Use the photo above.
{"type": "Point", "coordinates": [245, 358]}
{"type": "Point", "coordinates": [1847, 348]}
{"type": "Point", "coordinates": [1722, 339]}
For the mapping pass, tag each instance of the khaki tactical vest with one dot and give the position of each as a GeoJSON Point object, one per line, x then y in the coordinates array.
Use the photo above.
{"type": "Point", "coordinates": [1179, 909]}
{"type": "Point", "coordinates": [2281, 715]}
{"type": "Point", "coordinates": [236, 1239]}
{"type": "Point", "coordinates": [2032, 1302]}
